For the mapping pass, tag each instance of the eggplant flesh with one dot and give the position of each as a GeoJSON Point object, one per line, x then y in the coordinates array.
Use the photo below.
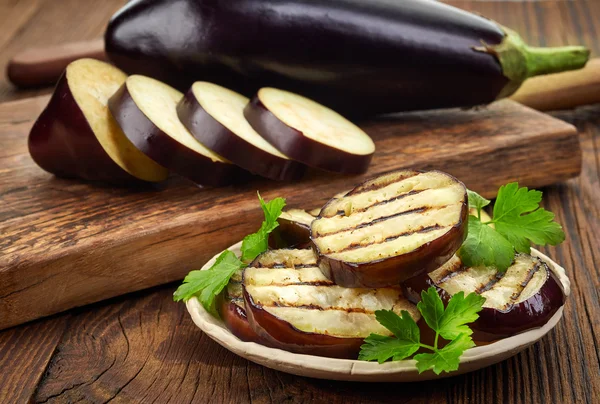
{"type": "Point", "coordinates": [357, 57]}
{"type": "Point", "coordinates": [526, 296]}
{"type": "Point", "coordinates": [295, 307]}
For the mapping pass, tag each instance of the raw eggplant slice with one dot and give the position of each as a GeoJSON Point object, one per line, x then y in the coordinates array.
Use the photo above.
{"type": "Point", "coordinates": [293, 306]}
{"type": "Point", "coordinates": [309, 132]}
{"type": "Point", "coordinates": [391, 228]}
{"type": "Point", "coordinates": [233, 311]}
{"type": "Point", "coordinates": [146, 111]}
{"type": "Point", "coordinates": [526, 296]}
{"type": "Point", "coordinates": [76, 136]}
{"type": "Point", "coordinates": [215, 116]}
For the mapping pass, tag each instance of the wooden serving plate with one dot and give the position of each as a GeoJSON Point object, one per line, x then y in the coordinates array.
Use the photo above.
{"type": "Point", "coordinates": [67, 243]}
{"type": "Point", "coordinates": [362, 371]}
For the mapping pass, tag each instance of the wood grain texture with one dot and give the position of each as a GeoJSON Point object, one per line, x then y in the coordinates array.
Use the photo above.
{"type": "Point", "coordinates": [182, 363]}
{"type": "Point", "coordinates": [72, 239]}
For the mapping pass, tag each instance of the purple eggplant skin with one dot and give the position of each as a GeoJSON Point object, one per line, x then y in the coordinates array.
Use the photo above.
{"type": "Point", "coordinates": [494, 324]}
{"type": "Point", "coordinates": [293, 143]}
{"type": "Point", "coordinates": [281, 334]}
{"type": "Point", "coordinates": [165, 150]}
{"type": "Point", "coordinates": [63, 143]}
{"type": "Point", "coordinates": [357, 57]}
{"type": "Point", "coordinates": [221, 140]}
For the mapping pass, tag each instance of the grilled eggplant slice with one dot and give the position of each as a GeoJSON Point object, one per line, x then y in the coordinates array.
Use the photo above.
{"type": "Point", "coordinates": [146, 111]}
{"type": "Point", "coordinates": [233, 311]}
{"type": "Point", "coordinates": [294, 227]}
{"type": "Point", "coordinates": [215, 116]}
{"type": "Point", "coordinates": [526, 296]}
{"type": "Point", "coordinates": [391, 228]}
{"type": "Point", "coordinates": [309, 132]}
{"type": "Point", "coordinates": [292, 305]}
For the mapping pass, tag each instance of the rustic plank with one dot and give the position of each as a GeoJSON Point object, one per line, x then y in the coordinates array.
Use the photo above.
{"type": "Point", "coordinates": [60, 236]}
{"type": "Point", "coordinates": [24, 355]}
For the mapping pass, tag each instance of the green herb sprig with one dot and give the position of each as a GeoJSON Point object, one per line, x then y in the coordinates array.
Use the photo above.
{"type": "Point", "coordinates": [449, 323]}
{"type": "Point", "coordinates": [518, 222]}
{"type": "Point", "coordinates": [207, 284]}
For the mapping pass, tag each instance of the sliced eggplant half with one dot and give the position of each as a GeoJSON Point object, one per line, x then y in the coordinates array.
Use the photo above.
{"type": "Point", "coordinates": [215, 116]}
{"type": "Point", "coordinates": [292, 305]}
{"type": "Point", "coordinates": [526, 296]}
{"type": "Point", "coordinates": [145, 109]}
{"type": "Point", "coordinates": [76, 136]}
{"type": "Point", "coordinates": [309, 132]}
{"type": "Point", "coordinates": [391, 228]}
{"type": "Point", "coordinates": [233, 311]}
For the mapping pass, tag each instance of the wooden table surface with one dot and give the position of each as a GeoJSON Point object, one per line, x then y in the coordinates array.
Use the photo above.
{"type": "Point", "coordinates": [143, 347]}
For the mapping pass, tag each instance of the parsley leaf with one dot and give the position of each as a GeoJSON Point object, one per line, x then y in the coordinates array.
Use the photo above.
{"type": "Point", "coordinates": [449, 323]}
{"type": "Point", "coordinates": [431, 308]}
{"type": "Point", "coordinates": [485, 246]}
{"type": "Point", "coordinates": [209, 283]}
{"type": "Point", "coordinates": [518, 221]}
{"type": "Point", "coordinates": [477, 202]}
{"type": "Point", "coordinates": [446, 359]}
{"type": "Point", "coordinates": [255, 244]}
{"type": "Point", "coordinates": [460, 311]}
{"type": "Point", "coordinates": [521, 221]}
{"type": "Point", "coordinates": [381, 348]}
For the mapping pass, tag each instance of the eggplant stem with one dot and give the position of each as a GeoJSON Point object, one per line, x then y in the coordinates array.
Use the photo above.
{"type": "Point", "coordinates": [554, 60]}
{"type": "Point", "coordinates": [520, 61]}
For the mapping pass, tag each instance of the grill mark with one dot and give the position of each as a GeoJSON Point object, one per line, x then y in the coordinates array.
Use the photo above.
{"type": "Point", "coordinates": [420, 209]}
{"type": "Point", "coordinates": [281, 265]}
{"type": "Point", "coordinates": [319, 308]}
{"type": "Point", "coordinates": [376, 186]}
{"type": "Point", "coordinates": [515, 296]}
{"type": "Point", "coordinates": [484, 288]}
{"type": "Point", "coordinates": [355, 246]}
{"type": "Point", "coordinates": [451, 273]}
{"type": "Point", "coordinates": [309, 283]}
{"type": "Point", "coordinates": [342, 212]}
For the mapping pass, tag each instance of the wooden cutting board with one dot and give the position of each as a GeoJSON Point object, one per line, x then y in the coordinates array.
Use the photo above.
{"type": "Point", "coordinates": [65, 243]}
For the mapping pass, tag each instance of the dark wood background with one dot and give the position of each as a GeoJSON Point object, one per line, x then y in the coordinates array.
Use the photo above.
{"type": "Point", "coordinates": [143, 347]}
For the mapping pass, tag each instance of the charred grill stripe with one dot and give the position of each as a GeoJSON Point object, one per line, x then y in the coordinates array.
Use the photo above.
{"type": "Point", "coordinates": [308, 283]}
{"type": "Point", "coordinates": [484, 288]}
{"type": "Point", "coordinates": [515, 296]}
{"type": "Point", "coordinates": [420, 209]}
{"type": "Point", "coordinates": [319, 308]}
{"type": "Point", "coordinates": [281, 265]}
{"type": "Point", "coordinates": [342, 212]}
{"type": "Point", "coordinates": [379, 185]}
{"type": "Point", "coordinates": [355, 246]}
{"type": "Point", "coordinates": [451, 273]}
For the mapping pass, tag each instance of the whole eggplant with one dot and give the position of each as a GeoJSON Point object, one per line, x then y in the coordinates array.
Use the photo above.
{"type": "Point", "coordinates": [358, 57]}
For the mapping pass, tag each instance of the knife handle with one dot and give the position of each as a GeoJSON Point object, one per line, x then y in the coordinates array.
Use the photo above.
{"type": "Point", "coordinates": [43, 66]}
{"type": "Point", "coordinates": [35, 67]}
{"type": "Point", "coordinates": [562, 90]}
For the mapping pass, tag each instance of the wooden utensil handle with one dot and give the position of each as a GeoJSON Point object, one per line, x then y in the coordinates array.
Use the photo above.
{"type": "Point", "coordinates": [562, 90]}
{"type": "Point", "coordinates": [36, 67]}
{"type": "Point", "coordinates": [42, 66]}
